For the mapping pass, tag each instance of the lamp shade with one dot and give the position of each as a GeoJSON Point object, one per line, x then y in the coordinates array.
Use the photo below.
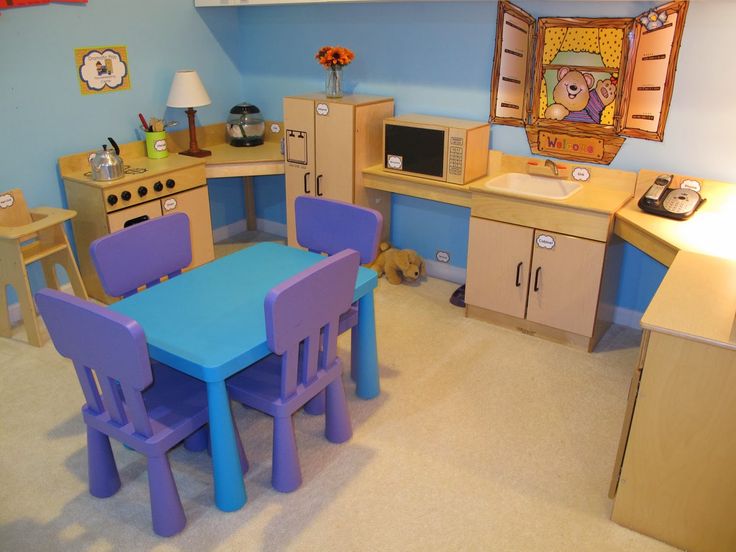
{"type": "Point", "coordinates": [187, 90]}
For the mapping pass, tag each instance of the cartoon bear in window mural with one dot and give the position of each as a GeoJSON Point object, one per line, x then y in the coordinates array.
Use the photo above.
{"type": "Point", "coordinates": [578, 98]}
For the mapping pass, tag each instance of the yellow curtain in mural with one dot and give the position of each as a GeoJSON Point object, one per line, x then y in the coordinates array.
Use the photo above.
{"type": "Point", "coordinates": [604, 41]}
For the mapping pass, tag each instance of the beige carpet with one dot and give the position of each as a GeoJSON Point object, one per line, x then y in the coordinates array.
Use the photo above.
{"type": "Point", "coordinates": [482, 439]}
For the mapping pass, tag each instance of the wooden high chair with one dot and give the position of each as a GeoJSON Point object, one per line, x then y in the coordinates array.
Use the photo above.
{"type": "Point", "coordinates": [27, 236]}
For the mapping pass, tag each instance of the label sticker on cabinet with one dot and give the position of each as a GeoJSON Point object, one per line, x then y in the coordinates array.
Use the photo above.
{"type": "Point", "coordinates": [323, 109]}
{"type": "Point", "coordinates": [395, 162]}
{"type": "Point", "coordinates": [6, 200]}
{"type": "Point", "coordinates": [545, 242]}
{"type": "Point", "coordinates": [169, 204]}
{"type": "Point", "coordinates": [275, 128]}
{"type": "Point", "coordinates": [581, 173]}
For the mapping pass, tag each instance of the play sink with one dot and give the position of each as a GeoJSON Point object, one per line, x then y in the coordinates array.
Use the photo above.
{"type": "Point", "coordinates": [533, 186]}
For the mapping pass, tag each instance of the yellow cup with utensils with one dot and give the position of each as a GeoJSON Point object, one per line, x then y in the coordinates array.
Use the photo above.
{"type": "Point", "coordinates": [156, 147]}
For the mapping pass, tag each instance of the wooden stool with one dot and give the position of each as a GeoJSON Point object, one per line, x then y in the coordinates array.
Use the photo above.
{"type": "Point", "coordinates": [27, 236]}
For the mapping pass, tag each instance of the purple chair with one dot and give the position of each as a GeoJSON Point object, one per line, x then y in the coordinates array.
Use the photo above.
{"type": "Point", "coordinates": [110, 357]}
{"type": "Point", "coordinates": [142, 254]}
{"type": "Point", "coordinates": [329, 226]}
{"type": "Point", "coordinates": [302, 316]}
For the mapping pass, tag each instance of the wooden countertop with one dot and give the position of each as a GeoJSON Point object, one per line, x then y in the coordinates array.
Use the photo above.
{"type": "Point", "coordinates": [709, 231]}
{"type": "Point", "coordinates": [455, 194]}
{"type": "Point", "coordinates": [696, 300]}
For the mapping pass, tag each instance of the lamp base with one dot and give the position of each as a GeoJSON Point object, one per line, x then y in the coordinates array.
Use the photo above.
{"type": "Point", "coordinates": [196, 153]}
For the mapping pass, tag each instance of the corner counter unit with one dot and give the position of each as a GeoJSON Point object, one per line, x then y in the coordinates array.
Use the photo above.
{"type": "Point", "coordinates": [329, 141]}
{"type": "Point", "coordinates": [674, 476]}
{"type": "Point", "coordinates": [150, 188]}
{"type": "Point", "coordinates": [546, 266]}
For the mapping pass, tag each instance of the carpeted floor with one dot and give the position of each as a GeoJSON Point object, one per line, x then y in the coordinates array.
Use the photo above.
{"type": "Point", "coordinates": [482, 439]}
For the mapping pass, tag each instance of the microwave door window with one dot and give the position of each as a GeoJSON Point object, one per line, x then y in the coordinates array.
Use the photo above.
{"type": "Point", "coordinates": [422, 149]}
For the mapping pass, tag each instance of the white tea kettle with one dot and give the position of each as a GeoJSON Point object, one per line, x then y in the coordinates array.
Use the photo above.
{"type": "Point", "coordinates": [106, 164]}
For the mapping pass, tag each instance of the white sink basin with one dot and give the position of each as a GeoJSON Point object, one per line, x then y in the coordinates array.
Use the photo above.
{"type": "Point", "coordinates": [533, 186]}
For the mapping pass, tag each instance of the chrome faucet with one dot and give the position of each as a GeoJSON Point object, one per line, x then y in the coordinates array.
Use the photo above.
{"type": "Point", "coordinates": [551, 164]}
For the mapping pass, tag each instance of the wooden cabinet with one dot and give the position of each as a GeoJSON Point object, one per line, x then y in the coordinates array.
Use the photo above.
{"type": "Point", "coordinates": [150, 188]}
{"type": "Point", "coordinates": [544, 277]}
{"type": "Point", "coordinates": [674, 476]}
{"type": "Point", "coordinates": [328, 144]}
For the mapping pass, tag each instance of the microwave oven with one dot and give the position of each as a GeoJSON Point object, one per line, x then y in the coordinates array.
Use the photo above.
{"type": "Point", "coordinates": [440, 148]}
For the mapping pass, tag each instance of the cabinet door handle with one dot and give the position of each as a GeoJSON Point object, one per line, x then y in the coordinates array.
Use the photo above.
{"type": "Point", "coordinates": [536, 278]}
{"type": "Point", "coordinates": [306, 188]}
{"type": "Point", "coordinates": [319, 179]}
{"type": "Point", "coordinates": [518, 274]}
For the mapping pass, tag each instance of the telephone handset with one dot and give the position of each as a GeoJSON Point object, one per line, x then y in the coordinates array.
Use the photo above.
{"type": "Point", "coordinates": [676, 203]}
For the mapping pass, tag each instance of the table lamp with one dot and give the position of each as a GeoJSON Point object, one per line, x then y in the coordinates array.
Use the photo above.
{"type": "Point", "coordinates": [188, 91]}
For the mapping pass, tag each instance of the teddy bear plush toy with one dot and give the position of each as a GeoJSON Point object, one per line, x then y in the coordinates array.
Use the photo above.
{"type": "Point", "coordinates": [398, 264]}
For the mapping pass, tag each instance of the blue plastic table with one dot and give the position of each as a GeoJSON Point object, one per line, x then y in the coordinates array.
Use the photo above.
{"type": "Point", "coordinates": [209, 323]}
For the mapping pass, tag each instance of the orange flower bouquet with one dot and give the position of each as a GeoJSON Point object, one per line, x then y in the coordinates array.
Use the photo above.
{"type": "Point", "coordinates": [334, 58]}
{"type": "Point", "coordinates": [330, 56]}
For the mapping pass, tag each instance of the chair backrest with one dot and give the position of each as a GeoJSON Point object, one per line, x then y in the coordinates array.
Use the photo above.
{"type": "Point", "coordinates": [329, 226]}
{"type": "Point", "coordinates": [142, 254]}
{"type": "Point", "coordinates": [305, 311]}
{"type": "Point", "coordinates": [109, 353]}
{"type": "Point", "coordinates": [13, 209]}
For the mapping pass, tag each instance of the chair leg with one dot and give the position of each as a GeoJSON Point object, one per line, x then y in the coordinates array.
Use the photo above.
{"type": "Point", "coordinates": [337, 418]}
{"type": "Point", "coordinates": [241, 451]}
{"type": "Point", "coordinates": [5, 330]}
{"type": "Point", "coordinates": [28, 309]}
{"type": "Point", "coordinates": [286, 475]}
{"type": "Point", "coordinates": [197, 441]}
{"type": "Point", "coordinates": [316, 406]}
{"type": "Point", "coordinates": [49, 272]}
{"type": "Point", "coordinates": [167, 512]}
{"type": "Point", "coordinates": [66, 259]}
{"type": "Point", "coordinates": [102, 473]}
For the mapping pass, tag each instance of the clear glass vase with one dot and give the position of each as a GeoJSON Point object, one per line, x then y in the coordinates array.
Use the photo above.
{"type": "Point", "coordinates": [333, 84]}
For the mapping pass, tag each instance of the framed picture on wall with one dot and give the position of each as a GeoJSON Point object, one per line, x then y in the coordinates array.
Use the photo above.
{"type": "Point", "coordinates": [102, 69]}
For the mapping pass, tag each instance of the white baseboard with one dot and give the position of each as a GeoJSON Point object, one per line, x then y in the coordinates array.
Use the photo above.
{"type": "Point", "coordinates": [627, 317]}
{"type": "Point", "coordinates": [445, 271]}
{"type": "Point", "coordinates": [238, 227]}
{"type": "Point", "coordinates": [271, 227]}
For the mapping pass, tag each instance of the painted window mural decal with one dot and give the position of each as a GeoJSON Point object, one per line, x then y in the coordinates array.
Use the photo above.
{"type": "Point", "coordinates": [579, 86]}
{"type": "Point", "coordinates": [102, 69]}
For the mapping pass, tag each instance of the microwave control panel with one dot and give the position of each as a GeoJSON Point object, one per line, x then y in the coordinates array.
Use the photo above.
{"type": "Point", "coordinates": [456, 155]}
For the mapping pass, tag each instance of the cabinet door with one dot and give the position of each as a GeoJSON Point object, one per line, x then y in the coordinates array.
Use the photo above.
{"type": "Point", "coordinates": [196, 204]}
{"type": "Point", "coordinates": [132, 215]}
{"type": "Point", "coordinates": [334, 129]}
{"type": "Point", "coordinates": [564, 282]}
{"type": "Point", "coordinates": [299, 166]}
{"type": "Point", "coordinates": [498, 266]}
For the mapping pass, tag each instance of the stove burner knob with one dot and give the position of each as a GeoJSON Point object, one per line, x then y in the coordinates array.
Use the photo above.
{"type": "Point", "coordinates": [112, 199]}
{"type": "Point", "coordinates": [125, 195]}
{"type": "Point", "coordinates": [142, 191]}
{"type": "Point", "coordinates": [170, 183]}
{"type": "Point", "coordinates": [158, 186]}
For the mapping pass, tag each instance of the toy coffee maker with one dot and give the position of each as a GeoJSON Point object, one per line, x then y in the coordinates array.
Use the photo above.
{"type": "Point", "coordinates": [245, 126]}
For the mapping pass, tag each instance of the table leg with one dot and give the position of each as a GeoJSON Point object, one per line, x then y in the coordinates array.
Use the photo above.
{"type": "Point", "coordinates": [228, 477]}
{"type": "Point", "coordinates": [364, 354]}
{"type": "Point", "coordinates": [250, 203]}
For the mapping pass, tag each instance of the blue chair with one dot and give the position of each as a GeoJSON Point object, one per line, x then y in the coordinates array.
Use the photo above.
{"type": "Point", "coordinates": [302, 317]}
{"type": "Point", "coordinates": [123, 401]}
{"type": "Point", "coordinates": [143, 254]}
{"type": "Point", "coordinates": [329, 226]}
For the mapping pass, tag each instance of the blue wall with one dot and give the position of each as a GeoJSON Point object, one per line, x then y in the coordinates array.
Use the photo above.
{"type": "Point", "coordinates": [432, 57]}
{"type": "Point", "coordinates": [436, 58]}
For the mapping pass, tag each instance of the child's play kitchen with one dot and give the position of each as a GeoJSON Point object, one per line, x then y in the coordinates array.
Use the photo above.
{"type": "Point", "coordinates": [565, 165]}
